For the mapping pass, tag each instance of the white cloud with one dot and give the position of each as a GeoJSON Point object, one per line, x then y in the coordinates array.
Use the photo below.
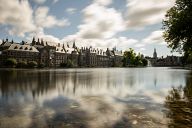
{"type": "Point", "coordinates": [139, 45]}
{"type": "Point", "coordinates": [55, 1]}
{"type": "Point", "coordinates": [154, 38]}
{"type": "Point", "coordinates": [42, 19]}
{"type": "Point", "coordinates": [18, 15]}
{"type": "Point", "coordinates": [142, 49]}
{"type": "Point", "coordinates": [43, 1]}
{"type": "Point", "coordinates": [121, 43]}
{"type": "Point", "coordinates": [50, 39]}
{"type": "Point", "coordinates": [39, 1]}
{"type": "Point", "coordinates": [71, 10]}
{"type": "Point", "coordinates": [141, 13]}
{"type": "Point", "coordinates": [103, 2]}
{"type": "Point", "coordinates": [100, 22]}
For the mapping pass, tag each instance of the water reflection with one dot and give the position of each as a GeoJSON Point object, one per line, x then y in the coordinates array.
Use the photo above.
{"type": "Point", "coordinates": [179, 105]}
{"type": "Point", "coordinates": [92, 98]}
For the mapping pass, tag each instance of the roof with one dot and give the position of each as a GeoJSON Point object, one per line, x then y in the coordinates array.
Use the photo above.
{"type": "Point", "coordinates": [118, 53]}
{"type": "Point", "coordinates": [60, 50]}
{"type": "Point", "coordinates": [19, 47]}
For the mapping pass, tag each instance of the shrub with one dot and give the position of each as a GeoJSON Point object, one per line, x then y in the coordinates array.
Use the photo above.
{"type": "Point", "coordinates": [68, 64]}
{"type": "Point", "coordinates": [10, 62]}
{"type": "Point", "coordinates": [22, 64]}
{"type": "Point", "coordinates": [32, 64]}
{"type": "Point", "coordinates": [41, 65]}
{"type": "Point", "coordinates": [145, 62]}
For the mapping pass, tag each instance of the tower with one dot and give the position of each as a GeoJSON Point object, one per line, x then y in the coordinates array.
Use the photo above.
{"type": "Point", "coordinates": [155, 54]}
{"type": "Point", "coordinates": [33, 41]}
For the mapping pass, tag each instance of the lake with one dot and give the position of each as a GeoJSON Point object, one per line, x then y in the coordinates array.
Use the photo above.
{"type": "Point", "coordinates": [153, 97]}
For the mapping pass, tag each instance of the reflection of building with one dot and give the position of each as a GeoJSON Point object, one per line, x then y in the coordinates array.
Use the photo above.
{"type": "Point", "coordinates": [53, 56]}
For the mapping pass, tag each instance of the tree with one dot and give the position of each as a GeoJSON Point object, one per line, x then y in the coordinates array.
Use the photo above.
{"type": "Point", "coordinates": [177, 27]}
{"type": "Point", "coordinates": [32, 64]}
{"type": "Point", "coordinates": [10, 62]}
{"type": "Point", "coordinates": [132, 59]}
{"type": "Point", "coordinates": [41, 65]}
{"type": "Point", "coordinates": [22, 64]}
{"type": "Point", "coordinates": [129, 57]}
{"type": "Point", "coordinates": [68, 64]}
{"type": "Point", "coordinates": [145, 62]}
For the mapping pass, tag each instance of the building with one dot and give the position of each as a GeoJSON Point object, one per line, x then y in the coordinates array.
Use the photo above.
{"type": "Point", "coordinates": [164, 62]}
{"type": "Point", "coordinates": [155, 54]}
{"type": "Point", "coordinates": [21, 52]}
{"type": "Point", "coordinates": [55, 55]}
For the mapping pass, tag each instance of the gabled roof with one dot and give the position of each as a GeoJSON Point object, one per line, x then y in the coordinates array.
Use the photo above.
{"type": "Point", "coordinates": [60, 50]}
{"type": "Point", "coordinates": [19, 47]}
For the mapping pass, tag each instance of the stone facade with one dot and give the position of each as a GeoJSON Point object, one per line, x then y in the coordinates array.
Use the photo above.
{"type": "Point", "coordinates": [53, 56]}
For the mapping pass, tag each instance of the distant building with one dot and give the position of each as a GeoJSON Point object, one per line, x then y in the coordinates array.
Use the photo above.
{"type": "Point", "coordinates": [53, 56]}
{"type": "Point", "coordinates": [155, 54]}
{"type": "Point", "coordinates": [164, 62]}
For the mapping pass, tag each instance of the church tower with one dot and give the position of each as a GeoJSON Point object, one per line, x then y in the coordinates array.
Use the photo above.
{"type": "Point", "coordinates": [155, 54]}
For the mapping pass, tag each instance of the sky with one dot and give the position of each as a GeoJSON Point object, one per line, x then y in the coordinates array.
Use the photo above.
{"type": "Point", "coordinates": [103, 24]}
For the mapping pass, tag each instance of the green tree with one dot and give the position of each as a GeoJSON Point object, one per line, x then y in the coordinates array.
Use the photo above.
{"type": "Point", "coordinates": [177, 27]}
{"type": "Point", "coordinates": [132, 59]}
{"type": "Point", "coordinates": [41, 65]}
{"type": "Point", "coordinates": [129, 57]}
{"type": "Point", "coordinates": [32, 64]}
{"type": "Point", "coordinates": [145, 62]}
{"type": "Point", "coordinates": [22, 64]}
{"type": "Point", "coordinates": [10, 62]}
{"type": "Point", "coordinates": [68, 64]}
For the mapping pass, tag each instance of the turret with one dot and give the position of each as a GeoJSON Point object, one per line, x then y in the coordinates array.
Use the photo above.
{"type": "Point", "coordinates": [155, 54]}
{"type": "Point", "coordinates": [33, 41]}
{"type": "Point", "coordinates": [42, 43]}
{"type": "Point", "coordinates": [74, 45]}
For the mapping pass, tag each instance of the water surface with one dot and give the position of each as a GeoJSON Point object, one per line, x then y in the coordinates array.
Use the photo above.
{"type": "Point", "coordinates": [96, 98]}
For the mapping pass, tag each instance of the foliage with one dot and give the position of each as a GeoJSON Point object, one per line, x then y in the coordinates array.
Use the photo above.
{"type": "Point", "coordinates": [10, 62]}
{"type": "Point", "coordinates": [68, 64]}
{"type": "Point", "coordinates": [41, 65]}
{"type": "Point", "coordinates": [32, 64]}
{"type": "Point", "coordinates": [145, 62]}
{"type": "Point", "coordinates": [22, 64]}
{"type": "Point", "coordinates": [132, 59]}
{"type": "Point", "coordinates": [177, 27]}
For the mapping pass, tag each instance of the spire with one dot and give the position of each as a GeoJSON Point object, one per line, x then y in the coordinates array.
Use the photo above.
{"type": "Point", "coordinates": [23, 42]}
{"type": "Point", "coordinates": [3, 42]}
{"type": "Point", "coordinates": [67, 45]}
{"type": "Point", "coordinates": [63, 46]}
{"type": "Point", "coordinates": [7, 39]}
{"type": "Point", "coordinates": [38, 42]}
{"type": "Point", "coordinates": [74, 45]}
{"type": "Point", "coordinates": [33, 41]}
{"type": "Point", "coordinates": [42, 43]}
{"type": "Point", "coordinates": [155, 54]}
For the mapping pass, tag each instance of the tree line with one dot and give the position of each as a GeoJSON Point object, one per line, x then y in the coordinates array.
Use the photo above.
{"type": "Point", "coordinates": [131, 59]}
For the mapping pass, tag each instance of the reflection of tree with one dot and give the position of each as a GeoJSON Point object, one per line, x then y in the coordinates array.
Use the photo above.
{"type": "Point", "coordinates": [179, 104]}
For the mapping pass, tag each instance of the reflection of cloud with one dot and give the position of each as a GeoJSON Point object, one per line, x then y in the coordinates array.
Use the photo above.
{"type": "Point", "coordinates": [87, 97]}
